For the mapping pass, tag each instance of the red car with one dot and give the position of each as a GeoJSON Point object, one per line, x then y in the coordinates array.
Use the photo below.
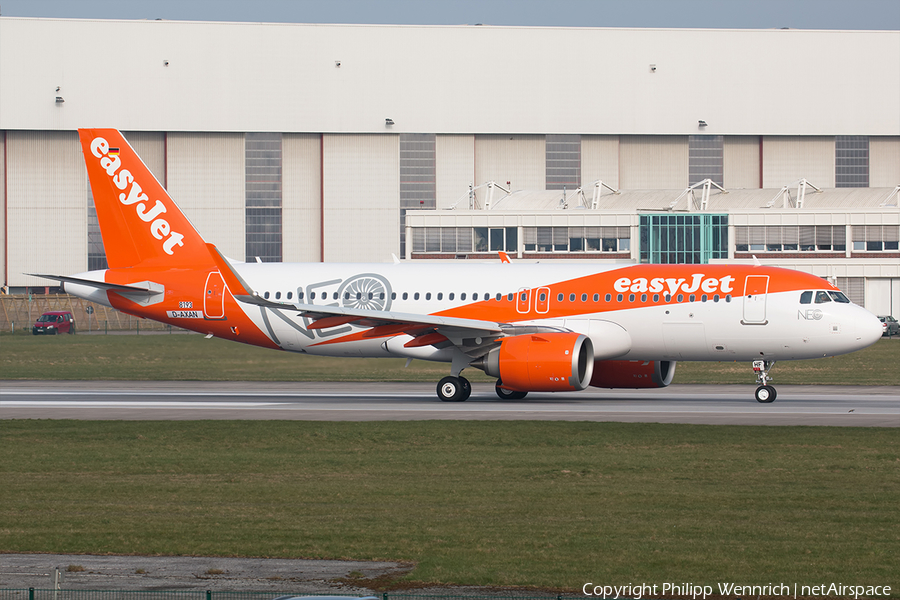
{"type": "Point", "coordinates": [53, 322]}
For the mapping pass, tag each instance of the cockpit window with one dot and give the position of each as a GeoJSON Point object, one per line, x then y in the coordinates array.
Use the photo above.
{"type": "Point", "coordinates": [822, 297]}
{"type": "Point", "coordinates": [806, 298]}
{"type": "Point", "coordinates": [839, 297]}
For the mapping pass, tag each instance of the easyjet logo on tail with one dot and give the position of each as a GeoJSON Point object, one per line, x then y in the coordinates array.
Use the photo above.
{"type": "Point", "coordinates": [159, 227]}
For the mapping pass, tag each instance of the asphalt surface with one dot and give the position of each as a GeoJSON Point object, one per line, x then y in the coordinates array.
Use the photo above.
{"type": "Point", "coordinates": [868, 406]}
{"type": "Point", "coordinates": [86, 572]}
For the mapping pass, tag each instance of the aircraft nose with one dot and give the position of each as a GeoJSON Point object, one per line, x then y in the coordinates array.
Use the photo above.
{"type": "Point", "coordinates": [868, 328]}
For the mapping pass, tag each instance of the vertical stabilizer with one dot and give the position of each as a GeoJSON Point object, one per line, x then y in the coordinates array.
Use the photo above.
{"type": "Point", "coordinates": [140, 224]}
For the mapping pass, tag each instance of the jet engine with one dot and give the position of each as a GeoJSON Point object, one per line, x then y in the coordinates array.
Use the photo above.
{"type": "Point", "coordinates": [633, 373]}
{"type": "Point", "coordinates": [542, 362]}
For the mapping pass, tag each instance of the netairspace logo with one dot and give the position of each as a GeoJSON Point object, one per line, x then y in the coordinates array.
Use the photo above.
{"type": "Point", "coordinates": [684, 590]}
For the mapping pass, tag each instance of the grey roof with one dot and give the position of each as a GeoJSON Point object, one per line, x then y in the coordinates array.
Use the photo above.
{"type": "Point", "coordinates": [662, 200]}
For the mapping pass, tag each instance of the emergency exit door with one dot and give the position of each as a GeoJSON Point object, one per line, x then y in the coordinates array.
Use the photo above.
{"type": "Point", "coordinates": [214, 297]}
{"type": "Point", "coordinates": [755, 289]}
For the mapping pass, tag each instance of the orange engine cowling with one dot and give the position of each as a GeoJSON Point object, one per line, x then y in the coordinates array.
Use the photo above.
{"type": "Point", "coordinates": [542, 362]}
{"type": "Point", "coordinates": [633, 373]}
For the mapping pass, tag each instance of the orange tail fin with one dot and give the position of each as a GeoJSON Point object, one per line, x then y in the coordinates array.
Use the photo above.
{"type": "Point", "coordinates": [140, 224]}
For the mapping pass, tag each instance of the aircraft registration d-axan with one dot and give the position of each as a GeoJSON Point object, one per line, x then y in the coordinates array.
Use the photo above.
{"type": "Point", "coordinates": [535, 327]}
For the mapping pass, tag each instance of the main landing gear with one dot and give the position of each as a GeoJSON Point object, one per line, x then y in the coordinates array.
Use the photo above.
{"type": "Point", "coordinates": [765, 393]}
{"type": "Point", "coordinates": [454, 389]}
{"type": "Point", "coordinates": [458, 389]}
{"type": "Point", "coordinates": [505, 394]}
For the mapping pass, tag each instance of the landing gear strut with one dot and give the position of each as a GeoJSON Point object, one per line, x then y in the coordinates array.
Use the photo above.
{"type": "Point", "coordinates": [765, 393]}
{"type": "Point", "coordinates": [454, 389]}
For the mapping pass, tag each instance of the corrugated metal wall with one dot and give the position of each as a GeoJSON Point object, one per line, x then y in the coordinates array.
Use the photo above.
{"type": "Point", "coordinates": [789, 158]}
{"type": "Point", "coordinates": [361, 183]}
{"type": "Point", "coordinates": [884, 161]}
{"type": "Point", "coordinates": [653, 162]}
{"type": "Point", "coordinates": [599, 160]}
{"type": "Point", "coordinates": [741, 162]}
{"type": "Point", "coordinates": [46, 206]}
{"type": "Point", "coordinates": [301, 197]}
{"type": "Point", "coordinates": [151, 147]}
{"type": "Point", "coordinates": [454, 168]}
{"type": "Point", "coordinates": [205, 176]}
{"type": "Point", "coordinates": [518, 159]}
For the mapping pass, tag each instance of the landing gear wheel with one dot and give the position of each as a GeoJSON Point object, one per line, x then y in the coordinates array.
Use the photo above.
{"type": "Point", "coordinates": [765, 394]}
{"type": "Point", "coordinates": [506, 394]}
{"type": "Point", "coordinates": [466, 388]}
{"type": "Point", "coordinates": [450, 389]}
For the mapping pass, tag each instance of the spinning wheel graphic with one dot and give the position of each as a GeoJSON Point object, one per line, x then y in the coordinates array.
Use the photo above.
{"type": "Point", "coordinates": [367, 290]}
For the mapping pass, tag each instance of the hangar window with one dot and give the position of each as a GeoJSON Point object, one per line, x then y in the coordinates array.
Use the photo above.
{"type": "Point", "coordinates": [576, 239]}
{"type": "Point", "coordinates": [705, 158]}
{"type": "Point", "coordinates": [790, 238]}
{"type": "Point", "coordinates": [96, 251]}
{"type": "Point", "coordinates": [875, 238]}
{"type": "Point", "coordinates": [683, 239]}
{"type": "Point", "coordinates": [851, 161]}
{"type": "Point", "coordinates": [262, 169]}
{"type": "Point", "coordinates": [417, 177]}
{"type": "Point", "coordinates": [563, 161]}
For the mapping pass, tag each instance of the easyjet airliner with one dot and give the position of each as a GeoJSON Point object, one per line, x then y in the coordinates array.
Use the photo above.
{"type": "Point", "coordinates": [535, 327]}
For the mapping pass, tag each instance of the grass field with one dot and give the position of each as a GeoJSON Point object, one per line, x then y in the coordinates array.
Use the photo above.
{"type": "Point", "coordinates": [523, 503]}
{"type": "Point", "coordinates": [192, 357]}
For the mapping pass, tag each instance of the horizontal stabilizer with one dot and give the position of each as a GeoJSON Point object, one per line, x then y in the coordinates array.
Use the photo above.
{"type": "Point", "coordinates": [100, 285]}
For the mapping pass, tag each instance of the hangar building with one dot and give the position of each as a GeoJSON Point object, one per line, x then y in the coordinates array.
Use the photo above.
{"type": "Point", "coordinates": [293, 142]}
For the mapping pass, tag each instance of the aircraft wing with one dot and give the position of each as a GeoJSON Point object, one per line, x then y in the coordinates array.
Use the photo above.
{"type": "Point", "coordinates": [332, 316]}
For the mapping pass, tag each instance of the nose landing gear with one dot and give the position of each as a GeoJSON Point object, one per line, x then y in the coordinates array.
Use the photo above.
{"type": "Point", "coordinates": [765, 393]}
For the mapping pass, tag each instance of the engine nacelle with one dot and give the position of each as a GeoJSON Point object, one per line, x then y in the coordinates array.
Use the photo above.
{"type": "Point", "coordinates": [633, 373]}
{"type": "Point", "coordinates": [542, 362]}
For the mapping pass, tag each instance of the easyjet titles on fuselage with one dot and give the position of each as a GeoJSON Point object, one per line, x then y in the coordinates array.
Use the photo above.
{"type": "Point", "coordinates": [159, 228]}
{"type": "Point", "coordinates": [672, 285]}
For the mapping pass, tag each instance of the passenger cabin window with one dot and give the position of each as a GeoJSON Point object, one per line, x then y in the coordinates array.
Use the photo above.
{"type": "Point", "coordinates": [290, 295]}
{"type": "Point", "coordinates": [822, 297]}
{"type": "Point", "coordinates": [806, 298]}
